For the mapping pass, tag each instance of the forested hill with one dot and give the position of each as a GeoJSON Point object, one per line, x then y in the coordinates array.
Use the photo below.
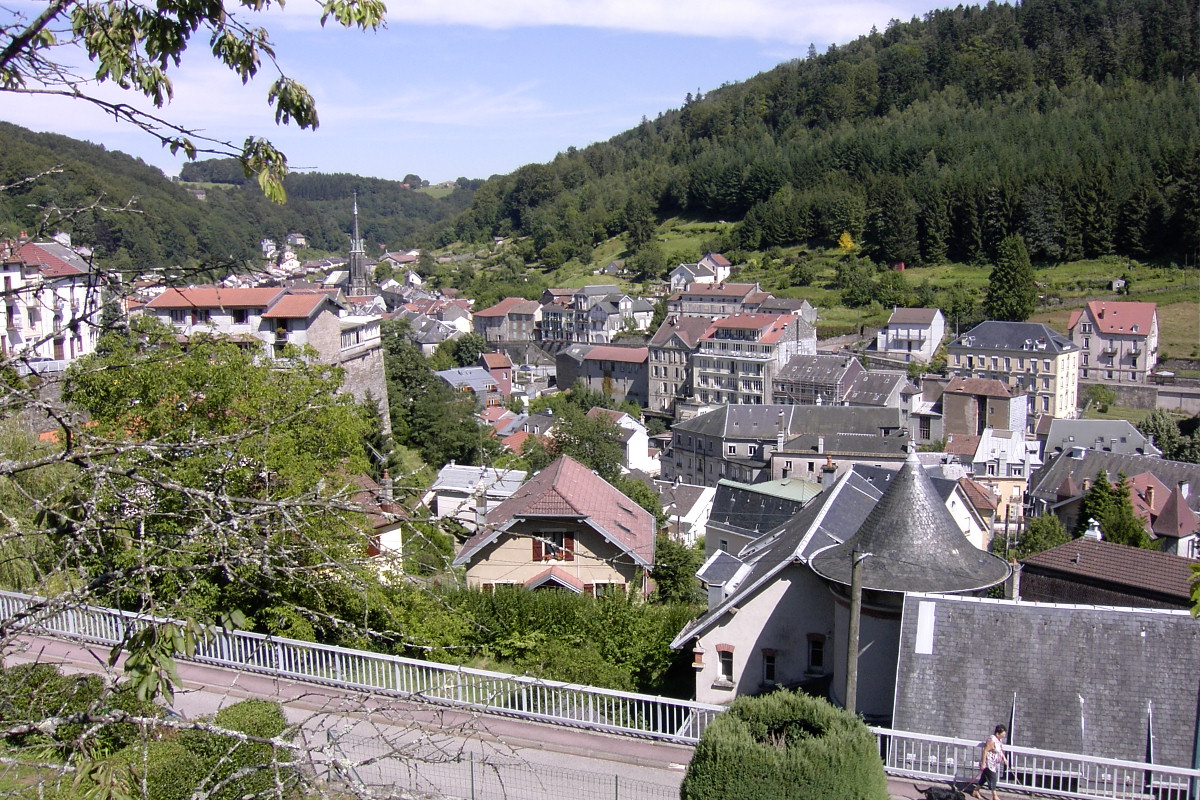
{"type": "Point", "coordinates": [165, 225]}
{"type": "Point", "coordinates": [1072, 122]}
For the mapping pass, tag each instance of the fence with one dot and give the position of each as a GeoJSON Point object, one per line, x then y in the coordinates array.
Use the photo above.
{"type": "Point", "coordinates": [1041, 772]}
{"type": "Point", "coordinates": [474, 778]}
{"type": "Point", "coordinates": [662, 718]}
{"type": "Point", "coordinates": [920, 756]}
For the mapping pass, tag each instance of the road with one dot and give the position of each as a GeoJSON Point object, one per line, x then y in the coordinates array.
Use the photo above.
{"type": "Point", "coordinates": [387, 746]}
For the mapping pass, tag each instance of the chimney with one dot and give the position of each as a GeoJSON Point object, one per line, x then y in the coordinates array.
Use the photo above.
{"type": "Point", "coordinates": [828, 472]}
{"type": "Point", "coordinates": [1092, 532]}
{"type": "Point", "coordinates": [1102, 312]}
{"type": "Point", "coordinates": [1150, 496]}
{"type": "Point", "coordinates": [1012, 586]}
{"type": "Point", "coordinates": [820, 445]}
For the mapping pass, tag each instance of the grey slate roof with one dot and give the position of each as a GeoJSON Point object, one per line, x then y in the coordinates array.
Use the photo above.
{"type": "Point", "coordinates": [1077, 679]}
{"type": "Point", "coordinates": [1116, 435]}
{"type": "Point", "coordinates": [830, 519]}
{"type": "Point", "coordinates": [477, 378]}
{"type": "Point", "coordinates": [849, 444]}
{"type": "Point", "coordinates": [762, 421]}
{"type": "Point", "coordinates": [1058, 469]}
{"type": "Point", "coordinates": [1024, 336]}
{"type": "Point", "coordinates": [740, 507]}
{"type": "Point", "coordinates": [467, 479]}
{"type": "Point", "coordinates": [915, 544]}
{"type": "Point", "coordinates": [820, 368]}
{"type": "Point", "coordinates": [876, 388]}
{"type": "Point", "coordinates": [720, 568]}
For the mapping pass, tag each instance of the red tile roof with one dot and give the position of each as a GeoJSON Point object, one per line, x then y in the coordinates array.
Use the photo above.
{"type": "Point", "coordinates": [496, 360]}
{"type": "Point", "coordinates": [505, 307]}
{"type": "Point", "coordinates": [1119, 564]}
{"type": "Point", "coordinates": [769, 326]}
{"type": "Point", "coordinates": [52, 259]}
{"type": "Point", "coordinates": [215, 297]}
{"type": "Point", "coordinates": [1176, 519]}
{"type": "Point", "coordinates": [296, 306]}
{"type": "Point", "coordinates": [1117, 317]}
{"type": "Point", "coordinates": [720, 290]}
{"type": "Point", "coordinates": [980, 386]}
{"type": "Point", "coordinates": [604, 352]}
{"type": "Point", "coordinates": [566, 488]}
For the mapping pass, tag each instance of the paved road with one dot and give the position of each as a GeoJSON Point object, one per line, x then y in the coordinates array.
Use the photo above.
{"type": "Point", "coordinates": [384, 743]}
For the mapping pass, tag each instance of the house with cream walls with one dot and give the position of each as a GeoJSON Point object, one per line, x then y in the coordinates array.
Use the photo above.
{"type": "Point", "coordinates": [566, 528]}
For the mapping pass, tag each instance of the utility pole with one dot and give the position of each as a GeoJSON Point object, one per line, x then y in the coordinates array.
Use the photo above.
{"type": "Point", "coordinates": [852, 635]}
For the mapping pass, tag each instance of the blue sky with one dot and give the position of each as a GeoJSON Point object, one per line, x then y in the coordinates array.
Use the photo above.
{"type": "Point", "coordinates": [478, 87]}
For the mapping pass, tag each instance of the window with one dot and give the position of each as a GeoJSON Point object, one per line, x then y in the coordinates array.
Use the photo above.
{"type": "Point", "coordinates": [1007, 363]}
{"type": "Point", "coordinates": [1046, 365]}
{"type": "Point", "coordinates": [238, 316]}
{"type": "Point", "coordinates": [725, 663]}
{"type": "Point", "coordinates": [1087, 342]}
{"type": "Point", "coordinates": [1085, 359]}
{"type": "Point", "coordinates": [926, 428]}
{"type": "Point", "coordinates": [1045, 403]}
{"type": "Point", "coordinates": [1085, 327]}
{"type": "Point", "coordinates": [553, 545]}
{"type": "Point", "coordinates": [816, 653]}
{"type": "Point", "coordinates": [768, 667]}
{"type": "Point", "coordinates": [723, 545]}
{"type": "Point", "coordinates": [731, 449]}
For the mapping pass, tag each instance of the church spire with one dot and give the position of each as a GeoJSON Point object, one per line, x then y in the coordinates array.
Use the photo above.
{"type": "Point", "coordinates": [358, 259]}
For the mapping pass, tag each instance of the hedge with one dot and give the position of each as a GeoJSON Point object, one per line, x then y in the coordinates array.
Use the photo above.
{"type": "Point", "coordinates": [785, 745]}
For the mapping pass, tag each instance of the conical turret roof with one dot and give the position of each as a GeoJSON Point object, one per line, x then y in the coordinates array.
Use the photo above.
{"type": "Point", "coordinates": [914, 544]}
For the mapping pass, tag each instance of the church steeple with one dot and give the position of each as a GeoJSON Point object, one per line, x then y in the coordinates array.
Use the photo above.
{"type": "Point", "coordinates": [359, 284]}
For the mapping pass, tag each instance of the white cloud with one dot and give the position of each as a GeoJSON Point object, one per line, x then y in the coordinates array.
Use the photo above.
{"type": "Point", "coordinates": [794, 21]}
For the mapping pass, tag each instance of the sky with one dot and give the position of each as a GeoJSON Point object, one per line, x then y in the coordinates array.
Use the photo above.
{"type": "Point", "coordinates": [473, 88]}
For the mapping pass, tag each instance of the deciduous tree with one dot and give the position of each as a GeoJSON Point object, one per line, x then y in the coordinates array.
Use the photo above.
{"type": "Point", "coordinates": [137, 47]}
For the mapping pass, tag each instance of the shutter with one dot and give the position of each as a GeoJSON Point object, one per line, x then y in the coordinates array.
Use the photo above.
{"type": "Point", "coordinates": [568, 547]}
{"type": "Point", "coordinates": [537, 549]}
{"type": "Point", "coordinates": [589, 589]}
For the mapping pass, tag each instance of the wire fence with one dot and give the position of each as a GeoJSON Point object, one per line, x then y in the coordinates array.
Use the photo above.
{"type": "Point", "coordinates": [472, 777]}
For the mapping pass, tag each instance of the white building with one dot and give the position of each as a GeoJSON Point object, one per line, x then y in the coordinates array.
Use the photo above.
{"type": "Point", "coordinates": [52, 304]}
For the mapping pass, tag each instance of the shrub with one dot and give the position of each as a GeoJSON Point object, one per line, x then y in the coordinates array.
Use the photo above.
{"type": "Point", "coordinates": [156, 770]}
{"type": "Point", "coordinates": [785, 745]}
{"type": "Point", "coordinates": [236, 768]}
{"type": "Point", "coordinates": [30, 692]}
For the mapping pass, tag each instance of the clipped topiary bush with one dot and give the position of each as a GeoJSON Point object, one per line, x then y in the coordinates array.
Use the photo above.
{"type": "Point", "coordinates": [156, 770]}
{"type": "Point", "coordinates": [236, 768]}
{"type": "Point", "coordinates": [33, 692]}
{"type": "Point", "coordinates": [785, 745]}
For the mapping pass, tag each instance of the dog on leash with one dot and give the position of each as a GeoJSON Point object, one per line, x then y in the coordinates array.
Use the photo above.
{"type": "Point", "coordinates": [943, 792]}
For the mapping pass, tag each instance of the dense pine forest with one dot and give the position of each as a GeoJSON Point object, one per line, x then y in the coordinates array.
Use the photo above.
{"type": "Point", "coordinates": [1074, 123]}
{"type": "Point", "coordinates": [134, 216]}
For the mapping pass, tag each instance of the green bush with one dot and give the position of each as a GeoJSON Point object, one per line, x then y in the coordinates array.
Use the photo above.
{"type": "Point", "coordinates": [265, 766]}
{"type": "Point", "coordinates": [33, 692]}
{"type": "Point", "coordinates": [785, 745]}
{"type": "Point", "coordinates": [157, 770]}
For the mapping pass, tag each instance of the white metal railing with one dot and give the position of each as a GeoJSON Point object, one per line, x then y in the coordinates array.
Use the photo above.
{"type": "Point", "coordinates": [904, 753]}
{"type": "Point", "coordinates": [1044, 772]}
{"type": "Point", "coordinates": [589, 707]}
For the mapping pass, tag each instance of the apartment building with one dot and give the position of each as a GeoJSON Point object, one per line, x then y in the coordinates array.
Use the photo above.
{"type": "Point", "coordinates": [1030, 357]}
{"type": "Point", "coordinates": [740, 356]}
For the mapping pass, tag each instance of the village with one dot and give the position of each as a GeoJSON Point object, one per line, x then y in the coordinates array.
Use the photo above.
{"type": "Point", "coordinates": [793, 463]}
